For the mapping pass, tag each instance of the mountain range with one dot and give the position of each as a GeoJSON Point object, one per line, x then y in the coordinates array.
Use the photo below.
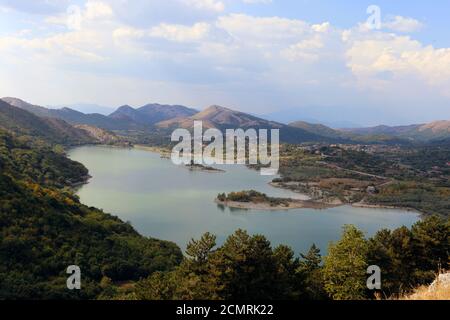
{"type": "Point", "coordinates": [417, 132]}
{"type": "Point", "coordinates": [160, 119]}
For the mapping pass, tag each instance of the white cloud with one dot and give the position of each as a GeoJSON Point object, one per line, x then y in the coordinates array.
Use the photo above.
{"type": "Point", "coordinates": [180, 33]}
{"type": "Point", "coordinates": [403, 24]}
{"type": "Point", "coordinates": [236, 54]}
{"type": "Point", "coordinates": [212, 5]}
{"type": "Point", "coordinates": [98, 10]}
{"type": "Point", "coordinates": [324, 27]}
{"type": "Point", "coordinates": [264, 31]}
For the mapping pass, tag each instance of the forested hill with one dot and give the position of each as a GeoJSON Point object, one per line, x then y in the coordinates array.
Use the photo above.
{"type": "Point", "coordinates": [24, 123]}
{"type": "Point", "coordinates": [44, 229]}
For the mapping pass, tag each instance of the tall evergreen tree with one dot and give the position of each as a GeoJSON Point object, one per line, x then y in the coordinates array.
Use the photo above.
{"type": "Point", "coordinates": [346, 265]}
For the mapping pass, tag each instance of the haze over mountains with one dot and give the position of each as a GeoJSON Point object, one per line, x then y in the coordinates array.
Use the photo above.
{"type": "Point", "coordinates": [86, 108]}
{"type": "Point", "coordinates": [161, 119]}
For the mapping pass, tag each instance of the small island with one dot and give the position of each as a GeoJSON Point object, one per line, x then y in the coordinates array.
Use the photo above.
{"type": "Point", "coordinates": [200, 167]}
{"type": "Point", "coordinates": [251, 199]}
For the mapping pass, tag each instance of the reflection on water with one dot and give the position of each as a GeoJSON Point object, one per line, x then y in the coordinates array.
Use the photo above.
{"type": "Point", "coordinates": [173, 203]}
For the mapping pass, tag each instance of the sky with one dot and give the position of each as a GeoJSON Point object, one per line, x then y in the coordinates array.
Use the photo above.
{"type": "Point", "coordinates": [329, 61]}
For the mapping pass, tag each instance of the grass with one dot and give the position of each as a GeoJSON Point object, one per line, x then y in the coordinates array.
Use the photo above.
{"type": "Point", "coordinates": [438, 290]}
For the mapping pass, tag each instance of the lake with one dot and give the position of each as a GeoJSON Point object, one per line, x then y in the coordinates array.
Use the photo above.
{"type": "Point", "coordinates": [171, 202]}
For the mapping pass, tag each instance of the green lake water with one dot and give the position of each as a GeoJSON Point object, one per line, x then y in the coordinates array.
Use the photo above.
{"type": "Point", "coordinates": [170, 202]}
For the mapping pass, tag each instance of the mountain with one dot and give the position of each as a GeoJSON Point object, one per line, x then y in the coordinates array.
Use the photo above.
{"type": "Point", "coordinates": [333, 117]}
{"type": "Point", "coordinates": [152, 113]}
{"type": "Point", "coordinates": [124, 118]}
{"type": "Point", "coordinates": [95, 119]}
{"type": "Point", "coordinates": [438, 130]}
{"type": "Point", "coordinates": [22, 122]}
{"type": "Point", "coordinates": [224, 118]}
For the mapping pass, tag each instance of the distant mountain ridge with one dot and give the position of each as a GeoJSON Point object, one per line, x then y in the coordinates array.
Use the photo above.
{"type": "Point", "coordinates": [74, 117]}
{"type": "Point", "coordinates": [320, 129]}
{"type": "Point", "coordinates": [124, 118]}
{"type": "Point", "coordinates": [417, 132]}
{"type": "Point", "coordinates": [158, 119]}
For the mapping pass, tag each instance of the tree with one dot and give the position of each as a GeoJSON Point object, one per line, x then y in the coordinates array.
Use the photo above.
{"type": "Point", "coordinates": [431, 245]}
{"type": "Point", "coordinates": [287, 277]}
{"type": "Point", "coordinates": [244, 267]}
{"type": "Point", "coordinates": [345, 266]}
{"type": "Point", "coordinates": [199, 250]}
{"type": "Point", "coordinates": [311, 275]}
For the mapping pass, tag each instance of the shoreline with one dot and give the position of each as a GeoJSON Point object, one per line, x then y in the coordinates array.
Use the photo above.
{"type": "Point", "coordinates": [380, 206]}
{"type": "Point", "coordinates": [160, 150]}
{"type": "Point", "coordinates": [293, 204]}
{"type": "Point", "coordinates": [355, 204]}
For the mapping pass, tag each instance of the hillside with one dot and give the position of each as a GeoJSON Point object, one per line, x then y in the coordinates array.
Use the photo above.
{"type": "Point", "coordinates": [22, 122]}
{"type": "Point", "coordinates": [224, 118]}
{"type": "Point", "coordinates": [101, 135]}
{"type": "Point", "coordinates": [44, 229]}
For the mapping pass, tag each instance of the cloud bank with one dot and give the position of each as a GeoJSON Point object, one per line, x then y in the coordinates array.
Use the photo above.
{"type": "Point", "coordinates": [210, 55]}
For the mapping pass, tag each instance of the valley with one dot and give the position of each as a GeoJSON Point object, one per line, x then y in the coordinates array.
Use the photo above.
{"type": "Point", "coordinates": [325, 182]}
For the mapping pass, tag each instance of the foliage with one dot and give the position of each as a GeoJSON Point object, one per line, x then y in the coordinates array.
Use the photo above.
{"type": "Point", "coordinates": [252, 196]}
{"type": "Point", "coordinates": [345, 266]}
{"type": "Point", "coordinates": [246, 267]}
{"type": "Point", "coordinates": [44, 229]}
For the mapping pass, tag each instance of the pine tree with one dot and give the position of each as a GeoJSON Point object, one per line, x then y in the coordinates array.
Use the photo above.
{"type": "Point", "coordinates": [346, 265]}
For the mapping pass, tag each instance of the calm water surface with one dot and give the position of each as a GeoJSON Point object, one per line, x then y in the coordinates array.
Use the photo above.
{"type": "Point", "coordinates": [168, 202]}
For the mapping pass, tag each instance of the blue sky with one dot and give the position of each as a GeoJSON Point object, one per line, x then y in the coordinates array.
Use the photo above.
{"type": "Point", "coordinates": [306, 59]}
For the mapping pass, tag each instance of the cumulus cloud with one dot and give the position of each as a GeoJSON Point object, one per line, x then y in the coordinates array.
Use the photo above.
{"type": "Point", "coordinates": [36, 6]}
{"type": "Point", "coordinates": [403, 24]}
{"type": "Point", "coordinates": [212, 5]}
{"type": "Point", "coordinates": [262, 30]}
{"type": "Point", "coordinates": [236, 57]}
